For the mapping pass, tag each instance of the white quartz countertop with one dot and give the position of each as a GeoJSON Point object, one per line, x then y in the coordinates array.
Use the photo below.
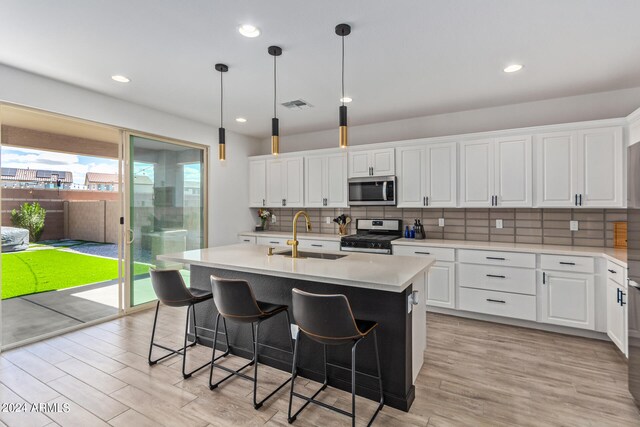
{"type": "Point", "coordinates": [371, 271]}
{"type": "Point", "coordinates": [288, 235]}
{"type": "Point", "coordinates": [616, 255]}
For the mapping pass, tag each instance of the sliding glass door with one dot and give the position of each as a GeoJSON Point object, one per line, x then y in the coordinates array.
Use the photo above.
{"type": "Point", "coordinates": [167, 208]}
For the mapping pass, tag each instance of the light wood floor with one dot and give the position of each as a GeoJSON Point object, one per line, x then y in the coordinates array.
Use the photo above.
{"type": "Point", "coordinates": [475, 373]}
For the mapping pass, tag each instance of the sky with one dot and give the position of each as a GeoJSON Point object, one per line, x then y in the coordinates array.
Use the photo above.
{"type": "Point", "coordinates": [35, 159]}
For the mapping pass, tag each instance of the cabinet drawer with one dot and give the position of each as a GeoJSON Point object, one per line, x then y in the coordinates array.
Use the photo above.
{"type": "Point", "coordinates": [616, 273]}
{"type": "Point", "coordinates": [247, 239]}
{"type": "Point", "coordinates": [578, 264]}
{"type": "Point", "coordinates": [498, 303]}
{"type": "Point", "coordinates": [272, 241]}
{"type": "Point", "coordinates": [324, 245]}
{"type": "Point", "coordinates": [497, 278]}
{"type": "Point", "coordinates": [510, 259]}
{"type": "Point", "coordinates": [441, 254]}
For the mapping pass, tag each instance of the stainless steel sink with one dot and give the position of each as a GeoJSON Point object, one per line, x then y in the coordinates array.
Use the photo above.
{"type": "Point", "coordinates": [319, 255]}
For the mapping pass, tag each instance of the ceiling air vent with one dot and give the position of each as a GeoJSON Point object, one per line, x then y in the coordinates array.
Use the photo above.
{"type": "Point", "coordinates": [297, 104]}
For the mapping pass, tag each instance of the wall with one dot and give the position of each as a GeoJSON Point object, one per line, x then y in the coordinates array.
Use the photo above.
{"type": "Point", "coordinates": [228, 181]}
{"type": "Point", "coordinates": [604, 105]}
{"type": "Point", "coordinates": [538, 226]}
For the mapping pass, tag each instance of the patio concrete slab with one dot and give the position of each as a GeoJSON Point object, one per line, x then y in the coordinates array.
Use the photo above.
{"type": "Point", "coordinates": [22, 320]}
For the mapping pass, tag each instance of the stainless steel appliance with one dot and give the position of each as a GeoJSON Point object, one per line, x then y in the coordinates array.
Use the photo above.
{"type": "Point", "coordinates": [372, 191]}
{"type": "Point", "coordinates": [633, 260]}
{"type": "Point", "coordinates": [373, 236]}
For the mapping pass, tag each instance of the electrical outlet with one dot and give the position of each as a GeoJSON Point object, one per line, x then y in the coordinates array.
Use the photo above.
{"type": "Point", "coordinates": [440, 222]}
{"type": "Point", "coordinates": [327, 220]}
{"type": "Point", "coordinates": [498, 223]}
{"type": "Point", "coordinates": [573, 225]}
{"type": "Point", "coordinates": [294, 331]}
{"type": "Point", "coordinates": [273, 219]}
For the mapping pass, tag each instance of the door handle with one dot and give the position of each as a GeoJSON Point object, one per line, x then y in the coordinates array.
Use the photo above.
{"type": "Point", "coordinates": [427, 202]}
{"type": "Point", "coordinates": [544, 278]}
{"type": "Point", "coordinates": [133, 237]}
{"type": "Point", "coordinates": [263, 202]}
{"type": "Point", "coordinates": [424, 201]}
{"type": "Point", "coordinates": [576, 200]}
{"type": "Point", "coordinates": [618, 296]}
{"type": "Point", "coordinates": [580, 199]}
{"type": "Point", "coordinates": [622, 302]}
{"type": "Point", "coordinates": [384, 190]}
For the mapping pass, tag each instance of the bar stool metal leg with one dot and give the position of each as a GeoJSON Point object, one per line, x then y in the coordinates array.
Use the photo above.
{"type": "Point", "coordinates": [294, 375]}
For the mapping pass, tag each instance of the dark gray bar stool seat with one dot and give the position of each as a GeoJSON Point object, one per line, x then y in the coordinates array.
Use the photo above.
{"type": "Point", "coordinates": [172, 291]}
{"type": "Point", "coordinates": [235, 301]}
{"type": "Point", "coordinates": [328, 320]}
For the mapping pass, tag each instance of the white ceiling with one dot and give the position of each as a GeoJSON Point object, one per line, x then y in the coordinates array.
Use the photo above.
{"type": "Point", "coordinates": [404, 58]}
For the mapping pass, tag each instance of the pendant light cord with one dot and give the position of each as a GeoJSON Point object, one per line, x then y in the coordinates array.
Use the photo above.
{"type": "Point", "coordinates": [342, 70]}
{"type": "Point", "coordinates": [275, 86]}
{"type": "Point", "coordinates": [221, 100]}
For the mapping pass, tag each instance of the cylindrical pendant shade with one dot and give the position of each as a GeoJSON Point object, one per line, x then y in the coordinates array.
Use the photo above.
{"type": "Point", "coordinates": [275, 136]}
{"type": "Point", "coordinates": [222, 155]}
{"type": "Point", "coordinates": [344, 140]}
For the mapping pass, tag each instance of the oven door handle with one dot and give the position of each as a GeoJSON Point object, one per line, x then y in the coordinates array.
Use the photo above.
{"type": "Point", "coordinates": [384, 190]}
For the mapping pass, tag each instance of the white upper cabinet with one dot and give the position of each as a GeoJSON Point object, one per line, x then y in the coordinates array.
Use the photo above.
{"type": "Point", "coordinates": [580, 169]}
{"type": "Point", "coordinates": [600, 167]}
{"type": "Point", "coordinates": [496, 172]}
{"type": "Point", "coordinates": [556, 169]}
{"type": "Point", "coordinates": [257, 183]}
{"type": "Point", "coordinates": [326, 181]}
{"type": "Point", "coordinates": [513, 164]}
{"type": "Point", "coordinates": [371, 163]}
{"type": "Point", "coordinates": [427, 175]}
{"type": "Point", "coordinates": [285, 182]}
{"type": "Point", "coordinates": [477, 173]}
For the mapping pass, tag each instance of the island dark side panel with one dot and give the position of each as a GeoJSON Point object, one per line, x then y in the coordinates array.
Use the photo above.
{"type": "Point", "coordinates": [386, 308]}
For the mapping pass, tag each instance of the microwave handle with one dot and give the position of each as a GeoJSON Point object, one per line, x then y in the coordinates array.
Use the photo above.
{"type": "Point", "coordinates": [384, 190]}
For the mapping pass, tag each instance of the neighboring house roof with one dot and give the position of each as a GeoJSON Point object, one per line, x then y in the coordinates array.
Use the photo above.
{"type": "Point", "coordinates": [36, 175]}
{"type": "Point", "coordinates": [142, 180]}
{"type": "Point", "coordinates": [100, 178]}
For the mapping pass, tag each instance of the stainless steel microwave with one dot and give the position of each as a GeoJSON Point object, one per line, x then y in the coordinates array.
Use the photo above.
{"type": "Point", "coordinates": [372, 191]}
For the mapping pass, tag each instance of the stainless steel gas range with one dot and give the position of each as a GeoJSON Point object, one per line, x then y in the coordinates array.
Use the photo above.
{"type": "Point", "coordinates": [372, 236]}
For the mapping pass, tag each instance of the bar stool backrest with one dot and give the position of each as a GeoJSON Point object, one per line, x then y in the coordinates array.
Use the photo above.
{"type": "Point", "coordinates": [325, 318]}
{"type": "Point", "coordinates": [234, 298]}
{"type": "Point", "coordinates": [170, 288]}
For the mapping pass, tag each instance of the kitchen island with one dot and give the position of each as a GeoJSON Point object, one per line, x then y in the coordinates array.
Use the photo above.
{"type": "Point", "coordinates": [379, 287]}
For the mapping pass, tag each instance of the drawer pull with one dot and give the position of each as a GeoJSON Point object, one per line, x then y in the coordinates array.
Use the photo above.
{"type": "Point", "coordinates": [496, 300]}
{"type": "Point", "coordinates": [497, 276]}
{"type": "Point", "coordinates": [422, 253]}
{"type": "Point", "coordinates": [612, 271]}
{"type": "Point", "coordinates": [275, 243]}
{"type": "Point", "coordinates": [316, 245]}
{"type": "Point", "coordinates": [496, 258]}
{"type": "Point", "coordinates": [567, 263]}
{"type": "Point", "coordinates": [246, 240]}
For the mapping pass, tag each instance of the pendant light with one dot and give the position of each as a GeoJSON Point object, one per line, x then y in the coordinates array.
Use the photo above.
{"type": "Point", "coordinates": [222, 155]}
{"type": "Point", "coordinates": [275, 51]}
{"type": "Point", "coordinates": [343, 30]}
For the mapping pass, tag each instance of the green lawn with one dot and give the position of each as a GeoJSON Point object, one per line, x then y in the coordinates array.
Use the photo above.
{"type": "Point", "coordinates": [36, 271]}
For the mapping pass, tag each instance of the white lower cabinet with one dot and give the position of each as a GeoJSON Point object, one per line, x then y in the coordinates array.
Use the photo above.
{"type": "Point", "coordinates": [617, 315]}
{"type": "Point", "coordinates": [441, 286]}
{"type": "Point", "coordinates": [504, 304]}
{"type": "Point", "coordinates": [567, 299]}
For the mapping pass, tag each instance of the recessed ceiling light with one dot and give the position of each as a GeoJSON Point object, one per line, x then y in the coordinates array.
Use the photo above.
{"type": "Point", "coordinates": [121, 79]}
{"type": "Point", "coordinates": [513, 68]}
{"type": "Point", "coordinates": [241, 120]}
{"type": "Point", "coordinates": [346, 99]}
{"type": "Point", "coordinates": [248, 30]}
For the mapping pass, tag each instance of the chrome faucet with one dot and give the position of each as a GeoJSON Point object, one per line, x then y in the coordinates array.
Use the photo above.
{"type": "Point", "coordinates": [294, 242]}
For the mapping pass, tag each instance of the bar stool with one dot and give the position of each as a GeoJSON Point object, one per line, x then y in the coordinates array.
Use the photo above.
{"type": "Point", "coordinates": [235, 300]}
{"type": "Point", "coordinates": [328, 319]}
{"type": "Point", "coordinates": [171, 291]}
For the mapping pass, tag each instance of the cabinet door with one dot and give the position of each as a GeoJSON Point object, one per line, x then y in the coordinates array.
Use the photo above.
{"type": "Point", "coordinates": [315, 172]}
{"type": "Point", "coordinates": [441, 290]}
{"type": "Point", "coordinates": [440, 175]}
{"type": "Point", "coordinates": [600, 167]}
{"type": "Point", "coordinates": [556, 169]}
{"type": "Point", "coordinates": [359, 164]}
{"type": "Point", "coordinates": [615, 319]}
{"type": "Point", "coordinates": [513, 163]}
{"type": "Point", "coordinates": [476, 173]}
{"type": "Point", "coordinates": [411, 177]}
{"type": "Point", "coordinates": [383, 162]}
{"type": "Point", "coordinates": [294, 183]}
{"type": "Point", "coordinates": [567, 299]}
{"type": "Point", "coordinates": [257, 183]}
{"type": "Point", "coordinates": [276, 176]}
{"type": "Point", "coordinates": [336, 181]}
